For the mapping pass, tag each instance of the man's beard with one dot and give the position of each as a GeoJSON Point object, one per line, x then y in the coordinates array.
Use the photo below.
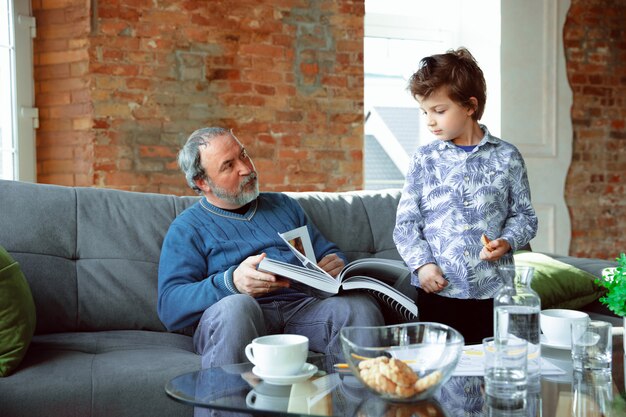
{"type": "Point", "coordinates": [240, 197]}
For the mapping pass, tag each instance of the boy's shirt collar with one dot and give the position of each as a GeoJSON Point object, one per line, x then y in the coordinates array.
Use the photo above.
{"type": "Point", "coordinates": [487, 138]}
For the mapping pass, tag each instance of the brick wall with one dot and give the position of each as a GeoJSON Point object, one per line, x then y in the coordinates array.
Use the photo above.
{"type": "Point", "coordinates": [119, 90]}
{"type": "Point", "coordinates": [595, 192]}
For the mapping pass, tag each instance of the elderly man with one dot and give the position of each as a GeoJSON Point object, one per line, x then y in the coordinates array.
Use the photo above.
{"type": "Point", "coordinates": [208, 275]}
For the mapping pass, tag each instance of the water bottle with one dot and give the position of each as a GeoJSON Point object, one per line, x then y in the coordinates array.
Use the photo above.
{"type": "Point", "coordinates": [516, 313]}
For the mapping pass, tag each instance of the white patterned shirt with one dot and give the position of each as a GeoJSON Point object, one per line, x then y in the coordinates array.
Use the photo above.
{"type": "Point", "coordinates": [450, 198]}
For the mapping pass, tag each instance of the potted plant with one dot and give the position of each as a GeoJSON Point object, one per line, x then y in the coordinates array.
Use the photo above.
{"type": "Point", "coordinates": [614, 280]}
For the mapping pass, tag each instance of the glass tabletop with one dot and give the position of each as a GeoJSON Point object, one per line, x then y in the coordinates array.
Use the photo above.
{"type": "Point", "coordinates": [234, 388]}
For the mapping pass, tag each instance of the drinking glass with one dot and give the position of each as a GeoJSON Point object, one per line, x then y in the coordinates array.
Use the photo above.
{"type": "Point", "coordinates": [592, 345]}
{"type": "Point", "coordinates": [592, 393]}
{"type": "Point", "coordinates": [506, 370]}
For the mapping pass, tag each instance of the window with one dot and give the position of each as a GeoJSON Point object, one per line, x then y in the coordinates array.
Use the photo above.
{"type": "Point", "coordinates": [398, 33]}
{"type": "Point", "coordinates": [18, 118]}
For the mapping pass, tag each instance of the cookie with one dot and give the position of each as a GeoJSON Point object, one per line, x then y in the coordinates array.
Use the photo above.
{"type": "Point", "coordinates": [428, 381]}
{"type": "Point", "coordinates": [368, 363]}
{"type": "Point", "coordinates": [399, 372]}
{"type": "Point", "coordinates": [485, 241]}
{"type": "Point", "coordinates": [394, 377]}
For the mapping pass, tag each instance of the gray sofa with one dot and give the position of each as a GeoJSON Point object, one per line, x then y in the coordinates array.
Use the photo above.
{"type": "Point", "coordinates": [90, 257]}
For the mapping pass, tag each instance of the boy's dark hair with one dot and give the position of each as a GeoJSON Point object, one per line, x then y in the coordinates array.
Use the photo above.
{"type": "Point", "coordinates": [459, 72]}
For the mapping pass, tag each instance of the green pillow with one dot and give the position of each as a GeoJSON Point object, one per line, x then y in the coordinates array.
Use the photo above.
{"type": "Point", "coordinates": [17, 314]}
{"type": "Point", "coordinates": [558, 284]}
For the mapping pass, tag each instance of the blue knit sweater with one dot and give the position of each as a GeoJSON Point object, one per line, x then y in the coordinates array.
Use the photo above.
{"type": "Point", "coordinates": [205, 244]}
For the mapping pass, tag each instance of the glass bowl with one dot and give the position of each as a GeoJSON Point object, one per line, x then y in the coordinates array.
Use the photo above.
{"type": "Point", "coordinates": [404, 362]}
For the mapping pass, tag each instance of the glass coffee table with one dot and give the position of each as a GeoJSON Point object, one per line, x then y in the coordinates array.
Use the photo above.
{"type": "Point", "coordinates": [234, 388]}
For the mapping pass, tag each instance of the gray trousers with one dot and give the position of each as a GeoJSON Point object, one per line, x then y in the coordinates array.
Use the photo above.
{"type": "Point", "coordinates": [229, 325]}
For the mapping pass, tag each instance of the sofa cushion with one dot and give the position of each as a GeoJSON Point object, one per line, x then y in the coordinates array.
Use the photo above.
{"type": "Point", "coordinates": [109, 373]}
{"type": "Point", "coordinates": [17, 314]}
{"type": "Point", "coordinates": [83, 248]}
{"type": "Point", "coordinates": [559, 284]}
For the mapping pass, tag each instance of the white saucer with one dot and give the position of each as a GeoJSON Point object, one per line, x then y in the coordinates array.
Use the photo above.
{"type": "Point", "coordinates": [545, 342]}
{"type": "Point", "coordinates": [307, 372]}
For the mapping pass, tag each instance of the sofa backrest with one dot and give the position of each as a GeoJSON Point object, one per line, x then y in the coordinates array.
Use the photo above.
{"type": "Point", "coordinates": [360, 222]}
{"type": "Point", "coordinates": [91, 255]}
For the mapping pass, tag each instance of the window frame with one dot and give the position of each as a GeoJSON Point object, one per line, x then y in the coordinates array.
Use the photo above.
{"type": "Point", "coordinates": [24, 116]}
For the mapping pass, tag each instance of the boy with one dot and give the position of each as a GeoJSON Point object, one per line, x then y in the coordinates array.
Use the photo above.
{"type": "Point", "coordinates": [465, 184]}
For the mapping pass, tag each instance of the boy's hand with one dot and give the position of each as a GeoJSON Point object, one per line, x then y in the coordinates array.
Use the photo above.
{"type": "Point", "coordinates": [431, 278]}
{"type": "Point", "coordinates": [332, 264]}
{"type": "Point", "coordinates": [494, 250]}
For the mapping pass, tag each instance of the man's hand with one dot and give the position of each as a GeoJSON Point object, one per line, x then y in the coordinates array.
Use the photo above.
{"type": "Point", "coordinates": [431, 278]}
{"type": "Point", "coordinates": [332, 264]}
{"type": "Point", "coordinates": [495, 250]}
{"type": "Point", "coordinates": [249, 280]}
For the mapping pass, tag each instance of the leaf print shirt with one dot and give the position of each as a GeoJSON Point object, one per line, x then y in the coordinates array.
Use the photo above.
{"type": "Point", "coordinates": [450, 198]}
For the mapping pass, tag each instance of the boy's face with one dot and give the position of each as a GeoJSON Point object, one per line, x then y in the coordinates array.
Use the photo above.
{"type": "Point", "coordinates": [447, 119]}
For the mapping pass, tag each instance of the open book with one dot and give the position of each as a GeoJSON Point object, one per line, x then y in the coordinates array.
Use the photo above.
{"type": "Point", "coordinates": [372, 274]}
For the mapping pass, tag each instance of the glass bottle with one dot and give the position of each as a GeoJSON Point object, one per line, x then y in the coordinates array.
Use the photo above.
{"type": "Point", "coordinates": [516, 309]}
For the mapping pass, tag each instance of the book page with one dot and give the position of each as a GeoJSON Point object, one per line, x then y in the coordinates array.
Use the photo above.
{"type": "Point", "coordinates": [310, 277]}
{"type": "Point", "coordinates": [472, 363]}
{"type": "Point", "coordinates": [300, 237]}
{"type": "Point", "coordinates": [299, 242]}
{"type": "Point", "coordinates": [355, 282]}
{"type": "Point", "coordinates": [389, 294]}
{"type": "Point", "coordinates": [385, 270]}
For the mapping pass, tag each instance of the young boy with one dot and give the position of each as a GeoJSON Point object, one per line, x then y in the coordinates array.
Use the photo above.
{"type": "Point", "coordinates": [465, 184]}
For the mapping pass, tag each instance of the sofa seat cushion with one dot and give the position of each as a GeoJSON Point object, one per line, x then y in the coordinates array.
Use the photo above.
{"type": "Point", "coordinates": [17, 314]}
{"type": "Point", "coordinates": [109, 373]}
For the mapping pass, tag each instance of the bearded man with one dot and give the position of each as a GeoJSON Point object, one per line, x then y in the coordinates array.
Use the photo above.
{"type": "Point", "coordinates": [208, 277]}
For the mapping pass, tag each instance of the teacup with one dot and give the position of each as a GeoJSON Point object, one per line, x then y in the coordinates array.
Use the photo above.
{"type": "Point", "coordinates": [278, 354]}
{"type": "Point", "coordinates": [556, 324]}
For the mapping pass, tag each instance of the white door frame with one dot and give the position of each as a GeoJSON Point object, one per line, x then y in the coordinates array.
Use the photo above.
{"type": "Point", "coordinates": [536, 103]}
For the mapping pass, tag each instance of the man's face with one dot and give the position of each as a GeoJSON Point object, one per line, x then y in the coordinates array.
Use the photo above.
{"type": "Point", "coordinates": [231, 177]}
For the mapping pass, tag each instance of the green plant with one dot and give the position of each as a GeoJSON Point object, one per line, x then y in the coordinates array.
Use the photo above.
{"type": "Point", "coordinates": [615, 283]}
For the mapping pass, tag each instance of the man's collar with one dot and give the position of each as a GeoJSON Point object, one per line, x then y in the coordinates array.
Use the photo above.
{"type": "Point", "coordinates": [252, 207]}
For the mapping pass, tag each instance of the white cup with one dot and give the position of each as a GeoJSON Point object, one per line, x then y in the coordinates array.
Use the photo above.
{"type": "Point", "coordinates": [278, 354]}
{"type": "Point", "coordinates": [556, 324]}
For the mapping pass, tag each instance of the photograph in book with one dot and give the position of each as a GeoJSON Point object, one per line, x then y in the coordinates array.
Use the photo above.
{"type": "Point", "coordinates": [299, 240]}
{"type": "Point", "coordinates": [375, 275]}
